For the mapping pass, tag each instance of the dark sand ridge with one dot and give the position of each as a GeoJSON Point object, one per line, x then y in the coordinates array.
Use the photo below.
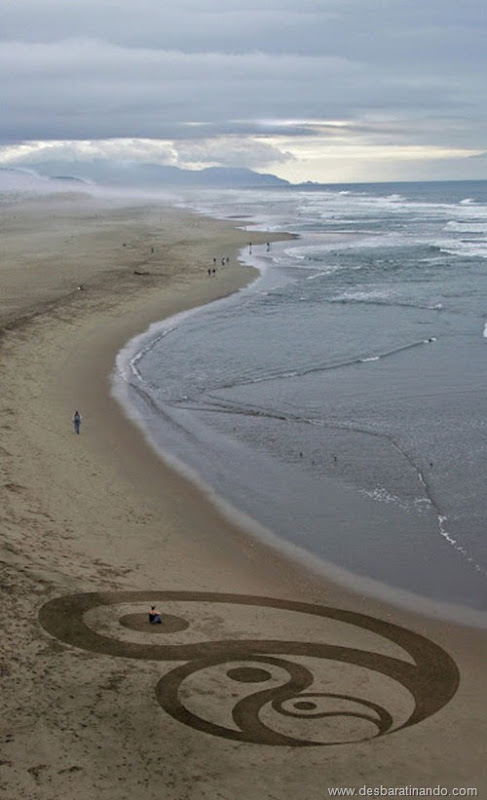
{"type": "Point", "coordinates": [261, 653]}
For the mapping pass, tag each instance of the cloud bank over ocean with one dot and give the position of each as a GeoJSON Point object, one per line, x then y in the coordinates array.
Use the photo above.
{"type": "Point", "coordinates": [320, 91]}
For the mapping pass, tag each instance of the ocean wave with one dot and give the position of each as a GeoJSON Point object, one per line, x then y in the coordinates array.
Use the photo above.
{"type": "Point", "coordinates": [373, 297]}
{"type": "Point", "coordinates": [326, 271]}
{"type": "Point", "coordinates": [345, 241]}
{"type": "Point", "coordinates": [299, 372]}
{"type": "Point", "coordinates": [137, 348]}
{"type": "Point", "coordinates": [464, 248]}
{"type": "Point", "coordinates": [380, 298]}
{"type": "Point", "coordinates": [466, 226]}
{"type": "Point", "coordinates": [151, 343]}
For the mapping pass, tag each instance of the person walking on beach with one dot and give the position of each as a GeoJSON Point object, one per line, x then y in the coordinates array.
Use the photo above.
{"type": "Point", "coordinates": [77, 421]}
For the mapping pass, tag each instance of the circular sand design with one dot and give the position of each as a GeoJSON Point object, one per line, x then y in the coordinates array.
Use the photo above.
{"type": "Point", "coordinates": [277, 691]}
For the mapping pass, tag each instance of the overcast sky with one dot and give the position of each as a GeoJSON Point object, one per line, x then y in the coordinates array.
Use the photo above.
{"type": "Point", "coordinates": [325, 90]}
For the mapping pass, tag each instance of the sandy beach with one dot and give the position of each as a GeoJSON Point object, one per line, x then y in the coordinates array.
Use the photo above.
{"type": "Point", "coordinates": [264, 680]}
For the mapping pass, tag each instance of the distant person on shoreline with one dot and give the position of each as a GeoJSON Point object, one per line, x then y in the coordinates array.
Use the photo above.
{"type": "Point", "coordinates": [155, 617]}
{"type": "Point", "coordinates": [77, 421]}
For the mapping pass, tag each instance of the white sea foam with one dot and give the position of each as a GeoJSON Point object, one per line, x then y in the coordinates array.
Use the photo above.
{"type": "Point", "coordinates": [381, 495]}
{"type": "Point", "coordinates": [135, 349]}
{"type": "Point", "coordinates": [313, 253]}
{"type": "Point", "coordinates": [364, 296]}
{"type": "Point", "coordinates": [466, 226]}
{"type": "Point", "coordinates": [329, 270]}
{"type": "Point", "coordinates": [366, 240]}
{"type": "Point", "coordinates": [464, 248]}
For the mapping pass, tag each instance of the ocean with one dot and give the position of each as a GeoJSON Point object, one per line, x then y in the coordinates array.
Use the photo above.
{"type": "Point", "coordinates": [339, 400]}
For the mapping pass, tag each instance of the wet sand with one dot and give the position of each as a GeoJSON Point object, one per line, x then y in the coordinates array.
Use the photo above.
{"type": "Point", "coordinates": [265, 680]}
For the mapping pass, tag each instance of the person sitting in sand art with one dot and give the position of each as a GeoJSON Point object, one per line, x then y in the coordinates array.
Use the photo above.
{"type": "Point", "coordinates": [77, 421]}
{"type": "Point", "coordinates": [154, 616]}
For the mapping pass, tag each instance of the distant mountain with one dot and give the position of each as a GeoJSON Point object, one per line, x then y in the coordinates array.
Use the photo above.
{"type": "Point", "coordinates": [113, 173]}
{"type": "Point", "coordinates": [70, 179]}
{"type": "Point", "coordinates": [233, 176]}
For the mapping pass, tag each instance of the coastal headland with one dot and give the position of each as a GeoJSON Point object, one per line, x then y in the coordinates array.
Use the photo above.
{"type": "Point", "coordinates": [265, 680]}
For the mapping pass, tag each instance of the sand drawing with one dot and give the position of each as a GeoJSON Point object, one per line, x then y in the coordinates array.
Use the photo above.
{"type": "Point", "coordinates": [245, 673]}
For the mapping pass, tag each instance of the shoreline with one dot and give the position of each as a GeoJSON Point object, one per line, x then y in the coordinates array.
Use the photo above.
{"type": "Point", "coordinates": [103, 513]}
{"type": "Point", "coordinates": [401, 598]}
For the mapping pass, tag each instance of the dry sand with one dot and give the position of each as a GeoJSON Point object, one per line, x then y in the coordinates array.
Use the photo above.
{"type": "Point", "coordinates": [230, 698]}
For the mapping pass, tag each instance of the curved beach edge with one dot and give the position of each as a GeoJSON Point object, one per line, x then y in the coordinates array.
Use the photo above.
{"type": "Point", "coordinates": [100, 512]}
